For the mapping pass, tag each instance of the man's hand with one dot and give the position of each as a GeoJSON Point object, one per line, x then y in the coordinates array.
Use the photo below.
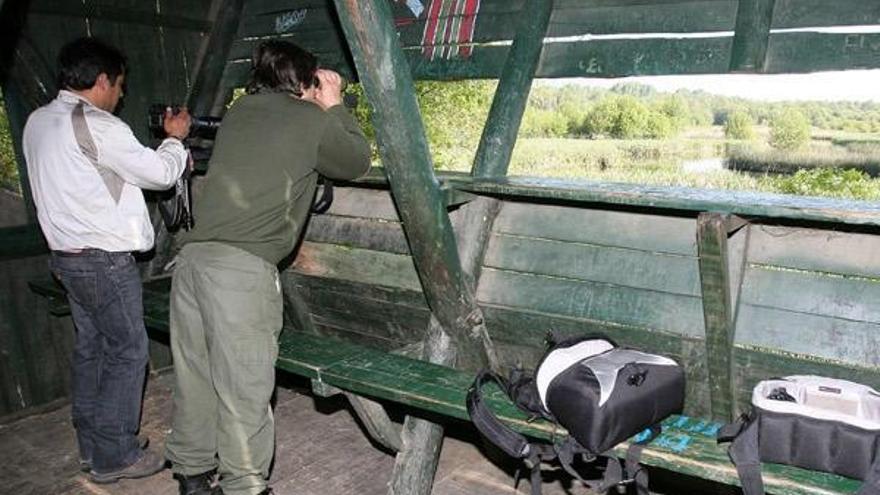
{"type": "Point", "coordinates": [177, 126]}
{"type": "Point", "coordinates": [329, 92]}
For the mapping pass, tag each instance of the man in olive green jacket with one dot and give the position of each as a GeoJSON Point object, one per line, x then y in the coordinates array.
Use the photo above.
{"type": "Point", "coordinates": [226, 305]}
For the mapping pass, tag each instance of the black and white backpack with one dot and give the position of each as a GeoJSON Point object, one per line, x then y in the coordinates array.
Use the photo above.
{"type": "Point", "coordinates": [813, 422]}
{"type": "Point", "coordinates": [601, 393]}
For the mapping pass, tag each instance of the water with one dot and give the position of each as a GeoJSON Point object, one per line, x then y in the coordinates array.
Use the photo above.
{"type": "Point", "coordinates": [703, 165]}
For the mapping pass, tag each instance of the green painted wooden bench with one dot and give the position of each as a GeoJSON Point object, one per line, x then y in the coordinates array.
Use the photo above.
{"type": "Point", "coordinates": [687, 444]}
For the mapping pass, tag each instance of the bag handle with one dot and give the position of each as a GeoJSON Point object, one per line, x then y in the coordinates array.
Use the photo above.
{"type": "Point", "coordinates": [511, 442]}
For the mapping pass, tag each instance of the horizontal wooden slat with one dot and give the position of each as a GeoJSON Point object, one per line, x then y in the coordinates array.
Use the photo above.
{"type": "Point", "coordinates": [589, 262]}
{"type": "Point", "coordinates": [811, 13]}
{"type": "Point", "coordinates": [256, 7]}
{"type": "Point", "coordinates": [397, 331]}
{"type": "Point", "coordinates": [557, 296]}
{"type": "Point", "coordinates": [683, 199]}
{"type": "Point", "coordinates": [810, 52]}
{"type": "Point", "coordinates": [357, 265]}
{"type": "Point", "coordinates": [390, 294]}
{"type": "Point", "coordinates": [652, 233]}
{"type": "Point", "coordinates": [389, 321]}
{"type": "Point", "coordinates": [530, 328]}
{"type": "Point", "coordinates": [107, 11]}
{"type": "Point", "coordinates": [845, 341]}
{"type": "Point", "coordinates": [818, 294]}
{"type": "Point", "coordinates": [816, 250]}
{"type": "Point", "coordinates": [363, 203]}
{"type": "Point", "coordinates": [377, 235]}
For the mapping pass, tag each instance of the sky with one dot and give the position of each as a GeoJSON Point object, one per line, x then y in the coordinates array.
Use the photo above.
{"type": "Point", "coordinates": [854, 85]}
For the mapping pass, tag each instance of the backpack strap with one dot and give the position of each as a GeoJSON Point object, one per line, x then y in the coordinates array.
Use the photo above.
{"type": "Point", "coordinates": [532, 453]}
{"type": "Point", "coordinates": [635, 472]}
{"type": "Point", "coordinates": [743, 451]}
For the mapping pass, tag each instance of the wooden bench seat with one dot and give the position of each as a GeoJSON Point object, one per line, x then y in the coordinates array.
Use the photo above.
{"type": "Point", "coordinates": [687, 445]}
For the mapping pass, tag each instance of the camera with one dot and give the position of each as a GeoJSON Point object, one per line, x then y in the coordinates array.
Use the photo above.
{"type": "Point", "coordinates": [201, 127]}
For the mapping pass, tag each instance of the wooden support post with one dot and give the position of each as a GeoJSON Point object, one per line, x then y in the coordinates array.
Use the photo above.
{"type": "Point", "coordinates": [387, 82]}
{"type": "Point", "coordinates": [502, 125]}
{"type": "Point", "coordinates": [718, 311]}
{"type": "Point", "coordinates": [753, 20]}
{"type": "Point", "coordinates": [205, 97]}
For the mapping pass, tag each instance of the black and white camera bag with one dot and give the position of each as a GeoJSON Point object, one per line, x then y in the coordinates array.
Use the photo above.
{"type": "Point", "coordinates": [813, 422]}
{"type": "Point", "coordinates": [600, 393]}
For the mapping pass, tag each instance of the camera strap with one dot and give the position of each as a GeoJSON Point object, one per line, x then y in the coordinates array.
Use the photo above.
{"type": "Point", "coordinates": [176, 209]}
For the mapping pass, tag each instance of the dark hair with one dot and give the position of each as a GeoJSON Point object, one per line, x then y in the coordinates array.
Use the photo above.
{"type": "Point", "coordinates": [282, 66]}
{"type": "Point", "coordinates": [81, 61]}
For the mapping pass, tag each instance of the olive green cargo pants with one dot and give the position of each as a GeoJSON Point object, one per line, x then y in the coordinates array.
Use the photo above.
{"type": "Point", "coordinates": [226, 314]}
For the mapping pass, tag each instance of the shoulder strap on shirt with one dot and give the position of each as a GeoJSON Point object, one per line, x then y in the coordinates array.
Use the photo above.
{"type": "Point", "coordinates": [87, 145]}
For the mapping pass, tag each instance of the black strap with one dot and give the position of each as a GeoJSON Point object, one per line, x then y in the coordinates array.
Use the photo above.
{"type": "Point", "coordinates": [871, 485]}
{"type": "Point", "coordinates": [511, 442]}
{"type": "Point", "coordinates": [176, 210]}
{"type": "Point", "coordinates": [744, 453]}
{"type": "Point", "coordinates": [636, 473]}
{"type": "Point", "coordinates": [323, 203]}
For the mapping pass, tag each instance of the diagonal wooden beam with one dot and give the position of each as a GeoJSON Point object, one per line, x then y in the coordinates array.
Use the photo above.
{"type": "Point", "coordinates": [505, 116]}
{"type": "Point", "coordinates": [388, 84]}
{"type": "Point", "coordinates": [205, 97]}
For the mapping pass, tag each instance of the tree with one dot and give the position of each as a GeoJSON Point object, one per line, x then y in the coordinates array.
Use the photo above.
{"type": "Point", "coordinates": [789, 129]}
{"type": "Point", "coordinates": [620, 117]}
{"type": "Point", "coordinates": [739, 126]}
{"type": "Point", "coordinates": [675, 108]}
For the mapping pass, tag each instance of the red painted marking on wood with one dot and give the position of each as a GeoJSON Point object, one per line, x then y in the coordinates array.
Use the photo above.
{"type": "Point", "coordinates": [466, 30]}
{"type": "Point", "coordinates": [431, 28]}
{"type": "Point", "coordinates": [447, 30]}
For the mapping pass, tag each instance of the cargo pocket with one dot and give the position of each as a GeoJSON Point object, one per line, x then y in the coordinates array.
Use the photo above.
{"type": "Point", "coordinates": [255, 359]}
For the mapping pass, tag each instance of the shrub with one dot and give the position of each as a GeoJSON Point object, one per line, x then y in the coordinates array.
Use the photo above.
{"type": "Point", "coordinates": [789, 130]}
{"type": "Point", "coordinates": [739, 126]}
{"type": "Point", "coordinates": [832, 182]}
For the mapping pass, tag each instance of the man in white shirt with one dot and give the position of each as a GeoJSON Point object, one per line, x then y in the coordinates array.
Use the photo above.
{"type": "Point", "coordinates": [86, 169]}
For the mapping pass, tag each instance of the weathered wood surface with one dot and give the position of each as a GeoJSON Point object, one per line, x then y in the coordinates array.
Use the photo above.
{"type": "Point", "coordinates": [369, 30]}
{"type": "Point", "coordinates": [753, 19]}
{"type": "Point", "coordinates": [683, 198]}
{"type": "Point", "coordinates": [718, 309]}
{"type": "Point", "coordinates": [687, 444]}
{"type": "Point", "coordinates": [452, 40]}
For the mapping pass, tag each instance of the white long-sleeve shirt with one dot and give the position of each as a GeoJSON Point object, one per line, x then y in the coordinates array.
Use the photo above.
{"type": "Point", "coordinates": [74, 207]}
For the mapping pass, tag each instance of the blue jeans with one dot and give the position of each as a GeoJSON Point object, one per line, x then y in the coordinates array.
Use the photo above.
{"type": "Point", "coordinates": [110, 356]}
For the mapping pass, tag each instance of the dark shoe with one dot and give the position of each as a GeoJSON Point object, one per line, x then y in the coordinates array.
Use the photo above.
{"type": "Point", "coordinates": [85, 465]}
{"type": "Point", "coordinates": [149, 464]}
{"type": "Point", "coordinates": [267, 491]}
{"type": "Point", "coordinates": [199, 484]}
